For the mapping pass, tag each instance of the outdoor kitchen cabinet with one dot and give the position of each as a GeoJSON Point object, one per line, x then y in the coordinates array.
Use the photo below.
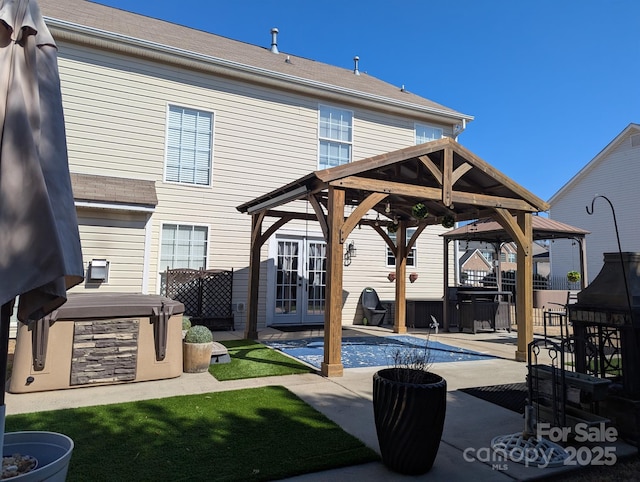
{"type": "Point", "coordinates": [484, 310]}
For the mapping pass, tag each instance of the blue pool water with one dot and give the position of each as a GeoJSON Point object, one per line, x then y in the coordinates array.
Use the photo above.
{"type": "Point", "coordinates": [371, 351]}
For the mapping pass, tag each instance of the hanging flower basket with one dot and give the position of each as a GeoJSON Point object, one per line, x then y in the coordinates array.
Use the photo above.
{"type": "Point", "coordinates": [573, 276]}
{"type": "Point", "coordinates": [392, 227]}
{"type": "Point", "coordinates": [413, 277]}
{"type": "Point", "coordinates": [448, 221]}
{"type": "Point", "coordinates": [419, 211]}
{"type": "Point", "coordinates": [391, 276]}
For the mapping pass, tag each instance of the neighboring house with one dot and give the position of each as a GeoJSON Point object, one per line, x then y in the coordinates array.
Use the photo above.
{"type": "Point", "coordinates": [474, 266]}
{"type": "Point", "coordinates": [614, 173]}
{"type": "Point", "coordinates": [479, 259]}
{"type": "Point", "coordinates": [541, 264]}
{"type": "Point", "coordinates": [169, 129]}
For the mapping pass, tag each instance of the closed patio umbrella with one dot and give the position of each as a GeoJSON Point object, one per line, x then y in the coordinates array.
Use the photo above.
{"type": "Point", "coordinates": [40, 255]}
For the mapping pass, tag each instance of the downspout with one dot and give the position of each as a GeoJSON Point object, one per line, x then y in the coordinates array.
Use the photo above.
{"type": "Point", "coordinates": [459, 129]}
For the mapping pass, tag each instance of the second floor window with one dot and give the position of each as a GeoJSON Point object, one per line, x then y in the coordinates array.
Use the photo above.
{"type": "Point", "coordinates": [334, 136]}
{"type": "Point", "coordinates": [411, 257]}
{"type": "Point", "coordinates": [488, 254]}
{"type": "Point", "coordinates": [189, 146]}
{"type": "Point", "coordinates": [425, 133]}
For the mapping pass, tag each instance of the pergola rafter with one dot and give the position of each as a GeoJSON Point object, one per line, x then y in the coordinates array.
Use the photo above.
{"type": "Point", "coordinates": [446, 177]}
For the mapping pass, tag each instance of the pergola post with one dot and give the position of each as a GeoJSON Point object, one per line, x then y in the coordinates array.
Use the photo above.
{"type": "Point", "coordinates": [400, 321]}
{"type": "Point", "coordinates": [524, 291]}
{"type": "Point", "coordinates": [251, 327]}
{"type": "Point", "coordinates": [445, 288]}
{"type": "Point", "coordinates": [332, 364]}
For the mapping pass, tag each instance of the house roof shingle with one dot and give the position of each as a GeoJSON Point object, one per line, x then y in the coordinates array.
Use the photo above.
{"type": "Point", "coordinates": [155, 32]}
{"type": "Point", "coordinates": [491, 231]}
{"type": "Point", "coordinates": [106, 189]}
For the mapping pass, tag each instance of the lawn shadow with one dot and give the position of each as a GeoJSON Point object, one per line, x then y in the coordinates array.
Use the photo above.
{"type": "Point", "coordinates": [253, 434]}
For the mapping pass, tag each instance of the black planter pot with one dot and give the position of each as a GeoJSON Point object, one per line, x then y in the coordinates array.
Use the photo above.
{"type": "Point", "coordinates": [409, 408]}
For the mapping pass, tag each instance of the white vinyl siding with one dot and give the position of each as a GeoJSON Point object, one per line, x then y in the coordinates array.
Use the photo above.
{"type": "Point", "coordinates": [184, 246]}
{"type": "Point", "coordinates": [426, 133]}
{"type": "Point", "coordinates": [613, 173]}
{"type": "Point", "coordinates": [119, 238]}
{"type": "Point", "coordinates": [116, 110]}
{"type": "Point", "coordinates": [412, 257]}
{"type": "Point", "coordinates": [335, 136]}
{"type": "Point", "coordinates": [189, 141]}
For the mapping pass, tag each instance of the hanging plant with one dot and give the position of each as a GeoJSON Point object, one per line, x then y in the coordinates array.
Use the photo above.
{"type": "Point", "coordinates": [419, 211]}
{"type": "Point", "coordinates": [573, 276]}
{"type": "Point", "coordinates": [448, 221]}
{"type": "Point", "coordinates": [392, 227]}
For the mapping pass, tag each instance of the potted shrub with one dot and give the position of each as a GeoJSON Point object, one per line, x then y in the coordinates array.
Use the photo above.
{"type": "Point", "coordinates": [196, 349]}
{"type": "Point", "coordinates": [186, 324]}
{"type": "Point", "coordinates": [573, 276]}
{"type": "Point", "coordinates": [409, 405]}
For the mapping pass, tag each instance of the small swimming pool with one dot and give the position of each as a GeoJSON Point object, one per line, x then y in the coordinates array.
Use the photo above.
{"type": "Point", "coordinates": [372, 351]}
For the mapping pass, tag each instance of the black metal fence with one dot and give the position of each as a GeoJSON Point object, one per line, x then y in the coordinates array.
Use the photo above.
{"type": "Point", "coordinates": [488, 280]}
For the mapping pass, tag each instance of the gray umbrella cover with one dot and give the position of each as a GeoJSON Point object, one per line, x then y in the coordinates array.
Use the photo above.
{"type": "Point", "coordinates": [40, 255]}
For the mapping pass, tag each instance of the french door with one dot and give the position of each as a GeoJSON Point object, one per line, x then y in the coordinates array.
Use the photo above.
{"type": "Point", "coordinates": [300, 280]}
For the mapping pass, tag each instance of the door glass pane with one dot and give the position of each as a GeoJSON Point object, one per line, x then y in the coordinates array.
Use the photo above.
{"type": "Point", "coordinates": [287, 277]}
{"type": "Point", "coordinates": [317, 277]}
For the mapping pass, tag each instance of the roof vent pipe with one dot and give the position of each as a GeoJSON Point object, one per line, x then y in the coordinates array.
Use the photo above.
{"type": "Point", "coordinates": [356, 59]}
{"type": "Point", "coordinates": [274, 40]}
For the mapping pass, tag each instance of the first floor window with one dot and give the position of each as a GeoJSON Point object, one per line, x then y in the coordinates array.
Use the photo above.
{"type": "Point", "coordinates": [425, 133]}
{"type": "Point", "coordinates": [183, 246]}
{"type": "Point", "coordinates": [189, 146]}
{"type": "Point", "coordinates": [334, 136]}
{"type": "Point", "coordinates": [411, 257]}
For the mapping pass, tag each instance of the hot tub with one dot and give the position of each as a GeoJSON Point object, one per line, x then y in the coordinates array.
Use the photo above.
{"type": "Point", "coordinates": [99, 339]}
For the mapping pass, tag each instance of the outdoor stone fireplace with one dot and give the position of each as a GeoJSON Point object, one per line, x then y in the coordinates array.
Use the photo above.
{"type": "Point", "coordinates": [606, 324]}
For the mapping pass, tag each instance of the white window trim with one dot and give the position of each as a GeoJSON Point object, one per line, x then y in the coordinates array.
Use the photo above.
{"type": "Point", "coordinates": [182, 223]}
{"type": "Point", "coordinates": [329, 106]}
{"type": "Point", "coordinates": [166, 144]}
{"type": "Point", "coordinates": [422, 124]}
{"type": "Point", "coordinates": [415, 254]}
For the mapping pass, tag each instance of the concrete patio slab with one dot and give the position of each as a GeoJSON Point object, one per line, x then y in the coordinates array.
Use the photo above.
{"type": "Point", "coordinates": [470, 424]}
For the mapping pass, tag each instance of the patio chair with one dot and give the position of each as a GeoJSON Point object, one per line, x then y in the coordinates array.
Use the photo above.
{"type": "Point", "coordinates": [373, 310]}
{"type": "Point", "coordinates": [559, 316]}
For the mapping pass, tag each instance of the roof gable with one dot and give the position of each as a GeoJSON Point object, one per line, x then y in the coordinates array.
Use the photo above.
{"type": "Point", "coordinates": [630, 130]}
{"type": "Point", "coordinates": [442, 174]}
{"type": "Point", "coordinates": [474, 254]}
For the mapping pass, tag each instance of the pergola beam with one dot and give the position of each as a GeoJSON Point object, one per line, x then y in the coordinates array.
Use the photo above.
{"type": "Point", "coordinates": [432, 193]}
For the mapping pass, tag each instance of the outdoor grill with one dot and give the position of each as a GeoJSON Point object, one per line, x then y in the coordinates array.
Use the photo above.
{"type": "Point", "coordinates": [606, 326]}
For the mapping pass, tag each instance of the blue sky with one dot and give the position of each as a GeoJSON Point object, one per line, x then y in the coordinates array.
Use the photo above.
{"type": "Point", "coordinates": [549, 82]}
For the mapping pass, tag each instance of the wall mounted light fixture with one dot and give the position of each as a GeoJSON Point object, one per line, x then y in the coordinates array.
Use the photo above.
{"type": "Point", "coordinates": [351, 252]}
{"type": "Point", "coordinates": [98, 270]}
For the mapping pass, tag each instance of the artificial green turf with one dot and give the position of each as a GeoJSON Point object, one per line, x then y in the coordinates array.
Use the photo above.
{"type": "Point", "coordinates": [245, 435]}
{"type": "Point", "coordinates": [250, 359]}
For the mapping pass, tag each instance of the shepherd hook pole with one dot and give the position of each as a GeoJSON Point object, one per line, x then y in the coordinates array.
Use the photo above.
{"type": "Point", "coordinates": [615, 224]}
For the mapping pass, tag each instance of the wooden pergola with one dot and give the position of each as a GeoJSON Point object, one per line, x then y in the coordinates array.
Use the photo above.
{"type": "Point", "coordinates": [448, 179]}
